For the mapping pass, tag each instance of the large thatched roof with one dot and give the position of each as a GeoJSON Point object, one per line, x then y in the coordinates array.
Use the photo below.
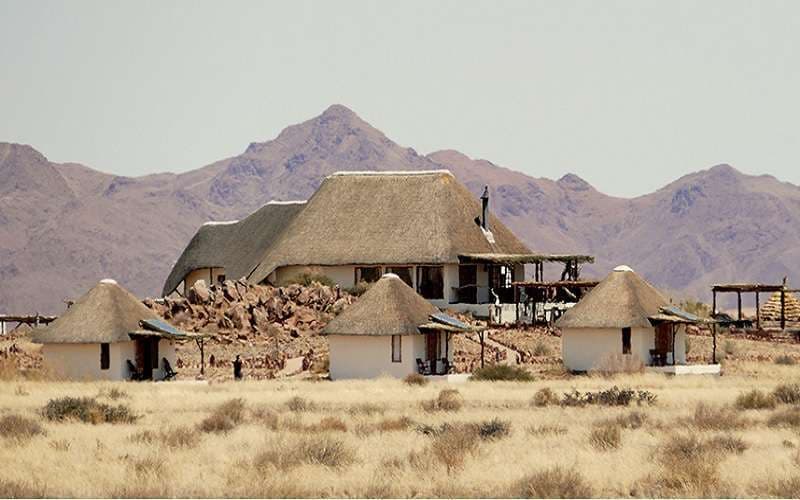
{"type": "Point", "coordinates": [107, 313]}
{"type": "Point", "coordinates": [237, 246]}
{"type": "Point", "coordinates": [389, 307]}
{"type": "Point", "coordinates": [622, 299]}
{"type": "Point", "coordinates": [387, 218]}
{"type": "Point", "coordinates": [771, 310]}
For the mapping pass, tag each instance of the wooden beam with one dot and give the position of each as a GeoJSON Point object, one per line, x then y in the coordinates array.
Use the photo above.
{"type": "Point", "coordinates": [480, 335]}
{"type": "Point", "coordinates": [714, 343]}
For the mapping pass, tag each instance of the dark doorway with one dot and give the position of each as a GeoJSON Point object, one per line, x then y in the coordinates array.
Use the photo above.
{"type": "Point", "coordinates": [147, 356]}
{"type": "Point", "coordinates": [626, 341]}
{"type": "Point", "coordinates": [432, 348]}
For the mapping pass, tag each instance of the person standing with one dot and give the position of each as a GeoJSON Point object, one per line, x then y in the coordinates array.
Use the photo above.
{"type": "Point", "coordinates": [237, 368]}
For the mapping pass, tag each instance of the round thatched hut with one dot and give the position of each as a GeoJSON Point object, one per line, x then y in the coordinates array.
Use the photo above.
{"type": "Point", "coordinates": [771, 310]}
{"type": "Point", "coordinates": [393, 331]}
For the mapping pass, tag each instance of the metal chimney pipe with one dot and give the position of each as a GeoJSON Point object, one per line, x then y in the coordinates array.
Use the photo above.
{"type": "Point", "coordinates": [485, 208]}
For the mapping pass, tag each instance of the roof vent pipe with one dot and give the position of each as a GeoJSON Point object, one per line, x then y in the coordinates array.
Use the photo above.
{"type": "Point", "coordinates": [485, 208]}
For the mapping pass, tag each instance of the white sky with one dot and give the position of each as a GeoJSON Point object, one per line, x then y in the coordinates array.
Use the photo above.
{"type": "Point", "coordinates": [628, 95]}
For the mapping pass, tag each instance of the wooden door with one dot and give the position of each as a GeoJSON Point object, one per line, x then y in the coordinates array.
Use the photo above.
{"type": "Point", "coordinates": [432, 348]}
{"type": "Point", "coordinates": [664, 338]}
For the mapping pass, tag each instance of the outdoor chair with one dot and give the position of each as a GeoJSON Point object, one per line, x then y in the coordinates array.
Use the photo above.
{"type": "Point", "coordinates": [169, 373]}
{"type": "Point", "coordinates": [446, 367]}
{"type": "Point", "coordinates": [422, 367]}
{"type": "Point", "coordinates": [658, 358]}
{"type": "Point", "coordinates": [135, 373]}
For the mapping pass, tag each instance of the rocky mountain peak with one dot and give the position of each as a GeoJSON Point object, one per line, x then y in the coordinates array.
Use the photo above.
{"type": "Point", "coordinates": [574, 182]}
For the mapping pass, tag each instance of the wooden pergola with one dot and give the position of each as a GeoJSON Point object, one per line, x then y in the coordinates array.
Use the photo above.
{"type": "Point", "coordinates": [757, 289]}
{"type": "Point", "coordinates": [566, 286]}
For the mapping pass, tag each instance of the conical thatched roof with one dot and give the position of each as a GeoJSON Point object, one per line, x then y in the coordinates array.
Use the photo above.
{"type": "Point", "coordinates": [389, 307]}
{"type": "Point", "coordinates": [107, 313]}
{"type": "Point", "coordinates": [237, 246]}
{"type": "Point", "coordinates": [622, 299]}
{"type": "Point", "coordinates": [771, 310]}
{"type": "Point", "coordinates": [387, 218]}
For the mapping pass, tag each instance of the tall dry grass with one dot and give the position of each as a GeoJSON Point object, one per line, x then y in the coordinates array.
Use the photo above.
{"type": "Point", "coordinates": [385, 438]}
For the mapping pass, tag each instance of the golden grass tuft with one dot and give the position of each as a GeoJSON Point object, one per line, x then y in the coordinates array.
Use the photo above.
{"type": "Point", "coordinates": [555, 482]}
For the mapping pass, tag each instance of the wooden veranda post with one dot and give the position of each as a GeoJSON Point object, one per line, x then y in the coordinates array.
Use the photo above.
{"type": "Point", "coordinates": [739, 304]}
{"type": "Point", "coordinates": [480, 336]}
{"type": "Point", "coordinates": [200, 345]}
{"type": "Point", "coordinates": [714, 343]}
{"type": "Point", "coordinates": [758, 311]}
{"type": "Point", "coordinates": [713, 303]}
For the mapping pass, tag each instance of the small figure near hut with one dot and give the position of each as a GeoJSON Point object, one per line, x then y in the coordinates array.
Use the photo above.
{"type": "Point", "coordinates": [237, 368]}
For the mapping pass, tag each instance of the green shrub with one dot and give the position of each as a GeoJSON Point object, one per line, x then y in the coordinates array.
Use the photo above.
{"type": "Point", "coordinates": [787, 394]}
{"type": "Point", "coordinates": [359, 289]}
{"type": "Point", "coordinates": [544, 397]}
{"type": "Point", "coordinates": [696, 307]}
{"type": "Point", "coordinates": [308, 279]}
{"type": "Point", "coordinates": [556, 482]}
{"type": "Point", "coordinates": [502, 372]}
{"type": "Point", "coordinates": [755, 400]}
{"type": "Point", "coordinates": [20, 428]}
{"type": "Point", "coordinates": [494, 429]}
{"type": "Point", "coordinates": [416, 379]}
{"type": "Point", "coordinates": [87, 410]}
{"type": "Point", "coordinates": [614, 396]}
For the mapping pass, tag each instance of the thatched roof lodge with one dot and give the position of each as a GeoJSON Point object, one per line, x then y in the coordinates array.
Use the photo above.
{"type": "Point", "coordinates": [221, 250]}
{"type": "Point", "coordinates": [103, 334]}
{"type": "Point", "coordinates": [626, 318]}
{"type": "Point", "coordinates": [391, 330]}
{"type": "Point", "coordinates": [424, 226]}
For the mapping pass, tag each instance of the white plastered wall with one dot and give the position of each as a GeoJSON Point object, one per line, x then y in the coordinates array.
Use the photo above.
{"type": "Point", "coordinates": [207, 274]}
{"type": "Point", "coordinates": [583, 348]}
{"type": "Point", "coordinates": [82, 361]}
{"type": "Point", "coordinates": [362, 356]}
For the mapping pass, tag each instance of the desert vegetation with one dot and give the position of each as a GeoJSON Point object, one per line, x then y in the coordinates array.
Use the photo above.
{"type": "Point", "coordinates": [634, 434]}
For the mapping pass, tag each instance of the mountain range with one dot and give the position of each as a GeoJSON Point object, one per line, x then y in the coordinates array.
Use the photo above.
{"type": "Point", "coordinates": [64, 226]}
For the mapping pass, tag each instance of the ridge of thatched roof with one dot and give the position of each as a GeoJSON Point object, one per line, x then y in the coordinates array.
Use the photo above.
{"type": "Point", "coordinates": [235, 245]}
{"type": "Point", "coordinates": [623, 299]}
{"type": "Point", "coordinates": [387, 218]}
{"type": "Point", "coordinates": [771, 310]}
{"type": "Point", "coordinates": [389, 307]}
{"type": "Point", "coordinates": [107, 313]}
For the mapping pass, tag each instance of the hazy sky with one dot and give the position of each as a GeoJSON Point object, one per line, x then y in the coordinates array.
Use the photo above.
{"type": "Point", "coordinates": [628, 95]}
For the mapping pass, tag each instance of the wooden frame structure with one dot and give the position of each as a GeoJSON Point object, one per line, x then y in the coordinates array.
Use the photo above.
{"type": "Point", "coordinates": [757, 289]}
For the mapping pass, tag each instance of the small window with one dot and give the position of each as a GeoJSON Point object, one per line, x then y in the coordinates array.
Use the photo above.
{"type": "Point", "coordinates": [404, 273]}
{"type": "Point", "coordinates": [154, 353]}
{"type": "Point", "coordinates": [105, 356]}
{"type": "Point", "coordinates": [430, 282]}
{"type": "Point", "coordinates": [396, 349]}
{"type": "Point", "coordinates": [626, 341]}
{"type": "Point", "coordinates": [220, 278]}
{"type": "Point", "coordinates": [368, 274]}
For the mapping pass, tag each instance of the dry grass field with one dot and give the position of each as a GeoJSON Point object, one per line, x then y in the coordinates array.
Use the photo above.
{"type": "Point", "coordinates": [701, 436]}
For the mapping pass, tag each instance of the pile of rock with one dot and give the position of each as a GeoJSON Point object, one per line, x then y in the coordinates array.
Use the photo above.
{"type": "Point", "coordinates": [265, 325]}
